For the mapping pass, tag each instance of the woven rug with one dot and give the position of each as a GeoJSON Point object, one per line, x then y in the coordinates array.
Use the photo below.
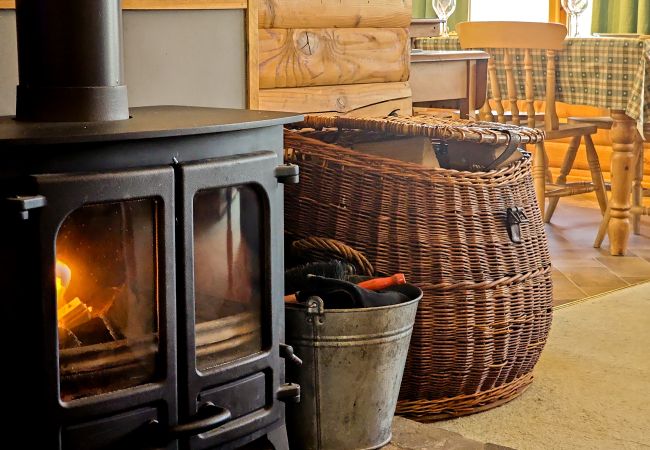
{"type": "Point", "coordinates": [592, 383]}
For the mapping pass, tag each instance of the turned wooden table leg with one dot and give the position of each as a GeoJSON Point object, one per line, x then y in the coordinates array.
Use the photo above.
{"type": "Point", "coordinates": [623, 136]}
{"type": "Point", "coordinates": [637, 185]}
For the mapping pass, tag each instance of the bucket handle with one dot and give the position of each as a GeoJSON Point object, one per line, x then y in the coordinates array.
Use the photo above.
{"type": "Point", "coordinates": [315, 310]}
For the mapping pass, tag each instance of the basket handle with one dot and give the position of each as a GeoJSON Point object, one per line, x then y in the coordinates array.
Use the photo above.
{"type": "Point", "coordinates": [336, 249]}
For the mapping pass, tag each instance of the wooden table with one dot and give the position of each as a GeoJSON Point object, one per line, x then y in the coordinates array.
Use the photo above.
{"type": "Point", "coordinates": [425, 28]}
{"type": "Point", "coordinates": [438, 77]}
{"type": "Point", "coordinates": [605, 72]}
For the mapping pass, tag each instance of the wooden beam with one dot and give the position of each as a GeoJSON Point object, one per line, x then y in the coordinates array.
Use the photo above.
{"type": "Point", "coordinates": [252, 56]}
{"type": "Point", "coordinates": [334, 13]}
{"type": "Point", "coordinates": [376, 98]}
{"type": "Point", "coordinates": [166, 4]}
{"type": "Point", "coordinates": [329, 56]}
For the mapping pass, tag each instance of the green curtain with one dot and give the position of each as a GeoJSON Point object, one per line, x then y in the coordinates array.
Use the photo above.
{"type": "Point", "coordinates": [423, 9]}
{"type": "Point", "coordinates": [621, 16]}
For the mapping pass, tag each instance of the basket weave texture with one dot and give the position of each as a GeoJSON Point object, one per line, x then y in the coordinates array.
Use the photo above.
{"type": "Point", "coordinates": [429, 126]}
{"type": "Point", "coordinates": [486, 310]}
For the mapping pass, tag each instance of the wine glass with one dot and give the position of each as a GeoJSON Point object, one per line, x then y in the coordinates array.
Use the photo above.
{"type": "Point", "coordinates": [573, 9]}
{"type": "Point", "coordinates": [444, 9]}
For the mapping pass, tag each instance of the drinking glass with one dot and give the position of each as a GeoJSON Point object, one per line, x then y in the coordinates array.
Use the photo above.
{"type": "Point", "coordinates": [573, 9]}
{"type": "Point", "coordinates": [444, 9]}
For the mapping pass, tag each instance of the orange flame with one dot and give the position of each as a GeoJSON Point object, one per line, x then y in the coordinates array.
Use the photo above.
{"type": "Point", "coordinates": [63, 277]}
{"type": "Point", "coordinates": [73, 312]}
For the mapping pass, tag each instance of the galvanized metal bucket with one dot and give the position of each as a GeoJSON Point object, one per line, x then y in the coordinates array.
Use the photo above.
{"type": "Point", "coordinates": [353, 360]}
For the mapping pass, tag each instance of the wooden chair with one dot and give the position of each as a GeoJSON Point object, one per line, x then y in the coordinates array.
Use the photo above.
{"type": "Point", "coordinates": [529, 36]}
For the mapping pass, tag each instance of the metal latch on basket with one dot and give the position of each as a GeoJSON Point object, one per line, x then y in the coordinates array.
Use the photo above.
{"type": "Point", "coordinates": [514, 217]}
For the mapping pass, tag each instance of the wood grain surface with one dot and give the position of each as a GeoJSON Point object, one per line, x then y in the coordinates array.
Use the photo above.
{"type": "Point", "coordinates": [366, 99]}
{"type": "Point", "coordinates": [335, 13]}
{"type": "Point", "coordinates": [329, 56]}
{"type": "Point", "coordinates": [252, 55]}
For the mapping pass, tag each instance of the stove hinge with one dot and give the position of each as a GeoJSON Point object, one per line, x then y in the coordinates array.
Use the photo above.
{"type": "Point", "coordinates": [286, 352]}
{"type": "Point", "coordinates": [289, 392]}
{"type": "Point", "coordinates": [287, 173]}
{"type": "Point", "coordinates": [22, 204]}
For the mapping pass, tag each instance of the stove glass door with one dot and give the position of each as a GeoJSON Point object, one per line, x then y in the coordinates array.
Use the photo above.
{"type": "Point", "coordinates": [106, 288]}
{"type": "Point", "coordinates": [228, 274]}
{"type": "Point", "coordinates": [231, 260]}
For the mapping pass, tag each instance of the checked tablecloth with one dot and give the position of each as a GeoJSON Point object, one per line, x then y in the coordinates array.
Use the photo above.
{"type": "Point", "coordinates": [604, 72]}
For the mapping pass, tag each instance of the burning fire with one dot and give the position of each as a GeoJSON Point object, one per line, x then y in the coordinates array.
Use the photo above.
{"type": "Point", "coordinates": [71, 313]}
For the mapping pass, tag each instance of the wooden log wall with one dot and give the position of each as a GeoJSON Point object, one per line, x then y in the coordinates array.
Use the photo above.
{"type": "Point", "coordinates": [347, 99]}
{"type": "Point", "coordinates": [335, 56]}
{"type": "Point", "coordinates": [328, 56]}
{"type": "Point", "coordinates": [335, 13]}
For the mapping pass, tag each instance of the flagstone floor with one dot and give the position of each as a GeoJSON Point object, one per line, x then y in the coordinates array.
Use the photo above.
{"type": "Point", "coordinates": [579, 270]}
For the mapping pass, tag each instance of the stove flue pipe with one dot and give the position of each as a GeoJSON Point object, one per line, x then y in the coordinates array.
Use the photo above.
{"type": "Point", "coordinates": [70, 61]}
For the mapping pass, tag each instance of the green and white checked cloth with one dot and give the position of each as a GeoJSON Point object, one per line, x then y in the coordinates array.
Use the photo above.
{"type": "Point", "coordinates": [603, 72]}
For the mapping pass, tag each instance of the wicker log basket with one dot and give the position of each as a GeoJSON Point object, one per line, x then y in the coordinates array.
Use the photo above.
{"type": "Point", "coordinates": [486, 310]}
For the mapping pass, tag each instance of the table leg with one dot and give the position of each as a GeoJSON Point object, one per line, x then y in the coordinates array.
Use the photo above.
{"type": "Point", "coordinates": [637, 185]}
{"type": "Point", "coordinates": [471, 88]}
{"type": "Point", "coordinates": [623, 136]}
{"type": "Point", "coordinates": [463, 108]}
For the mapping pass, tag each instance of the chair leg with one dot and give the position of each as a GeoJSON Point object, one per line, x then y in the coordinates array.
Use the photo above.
{"type": "Point", "coordinates": [637, 187]}
{"type": "Point", "coordinates": [547, 164]}
{"type": "Point", "coordinates": [602, 230]}
{"type": "Point", "coordinates": [485, 113]}
{"type": "Point", "coordinates": [539, 174]}
{"type": "Point", "coordinates": [596, 174]}
{"type": "Point", "coordinates": [569, 158]}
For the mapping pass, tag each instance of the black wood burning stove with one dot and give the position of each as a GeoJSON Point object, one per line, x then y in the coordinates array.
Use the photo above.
{"type": "Point", "coordinates": [142, 256]}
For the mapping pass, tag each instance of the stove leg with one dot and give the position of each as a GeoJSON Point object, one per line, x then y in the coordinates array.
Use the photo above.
{"type": "Point", "coordinates": [275, 440]}
{"type": "Point", "coordinates": [278, 438]}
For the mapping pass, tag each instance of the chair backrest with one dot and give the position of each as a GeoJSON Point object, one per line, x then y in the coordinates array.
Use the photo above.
{"type": "Point", "coordinates": [511, 36]}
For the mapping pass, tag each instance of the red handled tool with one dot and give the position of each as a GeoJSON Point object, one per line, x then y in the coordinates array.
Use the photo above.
{"type": "Point", "coordinates": [375, 284]}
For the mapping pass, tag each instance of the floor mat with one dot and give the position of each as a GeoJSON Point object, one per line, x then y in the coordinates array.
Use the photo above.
{"type": "Point", "coordinates": [592, 383]}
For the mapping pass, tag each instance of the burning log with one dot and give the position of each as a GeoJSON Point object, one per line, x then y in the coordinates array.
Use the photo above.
{"type": "Point", "coordinates": [80, 324]}
{"type": "Point", "coordinates": [91, 332]}
{"type": "Point", "coordinates": [73, 314]}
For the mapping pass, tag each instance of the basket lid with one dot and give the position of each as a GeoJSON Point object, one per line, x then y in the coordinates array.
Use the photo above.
{"type": "Point", "coordinates": [430, 126]}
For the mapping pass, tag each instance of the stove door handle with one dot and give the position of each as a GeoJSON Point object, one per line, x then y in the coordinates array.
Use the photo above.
{"type": "Point", "coordinates": [211, 416]}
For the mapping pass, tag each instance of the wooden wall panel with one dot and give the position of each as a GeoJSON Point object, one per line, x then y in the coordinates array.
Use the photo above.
{"type": "Point", "coordinates": [252, 55]}
{"type": "Point", "coordinates": [319, 57]}
{"type": "Point", "coordinates": [335, 13]}
{"type": "Point", "coordinates": [366, 99]}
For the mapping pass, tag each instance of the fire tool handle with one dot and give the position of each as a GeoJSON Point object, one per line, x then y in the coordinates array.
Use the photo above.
{"type": "Point", "coordinates": [377, 284]}
{"type": "Point", "coordinates": [216, 416]}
